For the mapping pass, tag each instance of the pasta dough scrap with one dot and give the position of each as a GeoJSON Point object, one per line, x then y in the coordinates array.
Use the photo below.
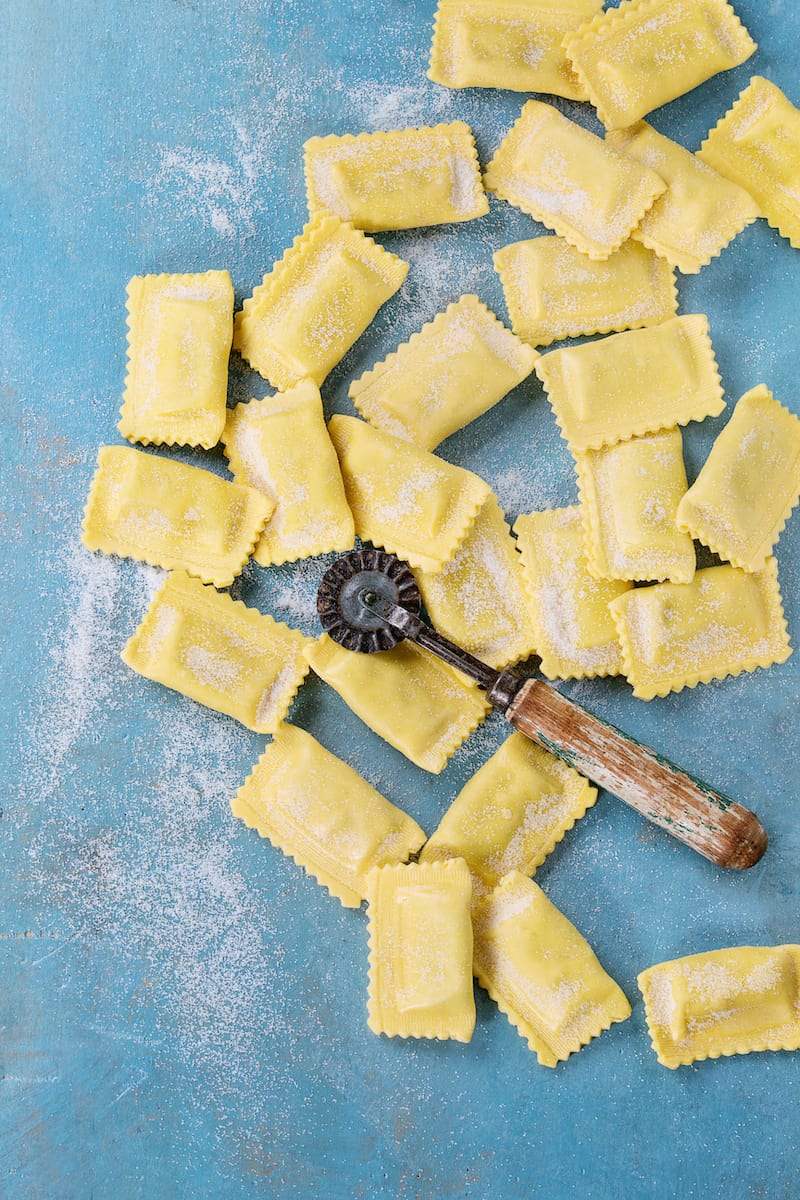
{"type": "Point", "coordinates": [676, 635]}
{"type": "Point", "coordinates": [398, 180]}
{"type": "Point", "coordinates": [700, 212]}
{"type": "Point", "coordinates": [636, 57]}
{"type": "Point", "coordinates": [575, 635]}
{"type": "Point", "coordinates": [322, 813]}
{"type": "Point", "coordinates": [227, 656]}
{"type": "Point", "coordinates": [478, 599]}
{"type": "Point", "coordinates": [457, 367]}
{"type": "Point", "coordinates": [541, 972]}
{"type": "Point", "coordinates": [571, 180]}
{"type": "Point", "coordinates": [316, 302]}
{"type": "Point", "coordinates": [757, 144]}
{"type": "Point", "coordinates": [730, 1001]}
{"type": "Point", "coordinates": [172, 515]}
{"type": "Point", "coordinates": [403, 498]}
{"type": "Point", "coordinates": [281, 447]}
{"type": "Point", "coordinates": [630, 494]}
{"type": "Point", "coordinates": [179, 340]}
{"type": "Point", "coordinates": [514, 44]}
{"type": "Point", "coordinates": [633, 383]}
{"type": "Point", "coordinates": [554, 291]}
{"type": "Point", "coordinates": [511, 813]}
{"type": "Point", "coordinates": [408, 696]}
{"type": "Point", "coordinates": [750, 482]}
{"type": "Point", "coordinates": [420, 951]}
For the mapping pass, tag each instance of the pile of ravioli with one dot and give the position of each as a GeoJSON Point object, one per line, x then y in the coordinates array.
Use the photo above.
{"type": "Point", "coordinates": [605, 587]}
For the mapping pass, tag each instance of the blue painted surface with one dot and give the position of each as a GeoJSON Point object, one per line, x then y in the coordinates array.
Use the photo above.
{"type": "Point", "coordinates": [181, 1009]}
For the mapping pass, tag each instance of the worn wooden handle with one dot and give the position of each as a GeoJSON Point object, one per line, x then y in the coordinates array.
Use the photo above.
{"type": "Point", "coordinates": [712, 824]}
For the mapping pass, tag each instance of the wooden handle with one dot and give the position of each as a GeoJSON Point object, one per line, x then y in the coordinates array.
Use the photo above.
{"type": "Point", "coordinates": [712, 824]}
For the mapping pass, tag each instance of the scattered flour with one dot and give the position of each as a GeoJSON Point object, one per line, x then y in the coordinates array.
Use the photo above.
{"type": "Point", "coordinates": [228, 195]}
{"type": "Point", "coordinates": [163, 884]}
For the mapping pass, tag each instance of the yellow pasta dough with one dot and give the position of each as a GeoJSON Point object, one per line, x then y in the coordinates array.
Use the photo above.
{"type": "Point", "coordinates": [397, 180]}
{"type": "Point", "coordinates": [172, 515]}
{"type": "Point", "coordinates": [728, 1001]}
{"type": "Point", "coordinates": [633, 383]}
{"type": "Point", "coordinates": [403, 498]}
{"type": "Point", "coordinates": [281, 447]}
{"type": "Point", "coordinates": [630, 494]}
{"type": "Point", "coordinates": [322, 813]}
{"type": "Point", "coordinates": [456, 368]}
{"type": "Point", "coordinates": [316, 302]}
{"type": "Point", "coordinates": [218, 651]}
{"type": "Point", "coordinates": [511, 814]}
{"type": "Point", "coordinates": [408, 696]}
{"type": "Point", "coordinates": [575, 634]}
{"type": "Point", "coordinates": [757, 144]}
{"type": "Point", "coordinates": [676, 635]}
{"type": "Point", "coordinates": [541, 972]}
{"type": "Point", "coordinates": [700, 212]}
{"type": "Point", "coordinates": [750, 483]}
{"type": "Point", "coordinates": [571, 180]}
{"type": "Point", "coordinates": [478, 599]}
{"type": "Point", "coordinates": [420, 951]}
{"type": "Point", "coordinates": [554, 291]}
{"type": "Point", "coordinates": [179, 341]}
{"type": "Point", "coordinates": [514, 44]}
{"type": "Point", "coordinates": [638, 56]}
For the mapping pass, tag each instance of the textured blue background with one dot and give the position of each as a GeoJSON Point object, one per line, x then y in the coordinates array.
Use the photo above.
{"type": "Point", "coordinates": [181, 1009]}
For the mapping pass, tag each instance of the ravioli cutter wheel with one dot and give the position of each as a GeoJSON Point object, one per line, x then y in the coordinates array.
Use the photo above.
{"type": "Point", "coordinates": [369, 601]}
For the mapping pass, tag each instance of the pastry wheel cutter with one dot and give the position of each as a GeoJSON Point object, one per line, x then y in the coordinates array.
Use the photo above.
{"type": "Point", "coordinates": [369, 601]}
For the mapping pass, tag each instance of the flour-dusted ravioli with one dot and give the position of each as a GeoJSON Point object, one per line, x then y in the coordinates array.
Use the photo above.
{"type": "Point", "coordinates": [757, 144]}
{"type": "Point", "coordinates": [728, 1001]}
{"type": "Point", "coordinates": [408, 696]}
{"type": "Point", "coordinates": [630, 494]}
{"type": "Point", "coordinates": [217, 650]}
{"type": "Point", "coordinates": [749, 484]}
{"type": "Point", "coordinates": [420, 951]}
{"type": "Point", "coordinates": [316, 302]}
{"type": "Point", "coordinates": [633, 383]}
{"type": "Point", "coordinates": [541, 972]}
{"type": "Point", "coordinates": [478, 599]}
{"type": "Point", "coordinates": [403, 498]}
{"type": "Point", "coordinates": [322, 813]}
{"type": "Point", "coordinates": [514, 44]}
{"type": "Point", "coordinates": [638, 56]}
{"type": "Point", "coordinates": [575, 634]}
{"type": "Point", "coordinates": [398, 180]}
{"type": "Point", "coordinates": [512, 812]}
{"type": "Point", "coordinates": [456, 368]}
{"type": "Point", "coordinates": [179, 341]}
{"type": "Point", "coordinates": [700, 212]}
{"type": "Point", "coordinates": [554, 291]}
{"type": "Point", "coordinates": [280, 446]}
{"type": "Point", "coordinates": [172, 515]}
{"type": "Point", "coordinates": [571, 180]}
{"type": "Point", "coordinates": [676, 635]}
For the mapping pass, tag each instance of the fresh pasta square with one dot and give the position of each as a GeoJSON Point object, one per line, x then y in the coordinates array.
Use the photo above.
{"type": "Point", "coordinates": [322, 813]}
{"type": "Point", "coordinates": [420, 951]}
{"type": "Point", "coordinates": [179, 340]}
{"type": "Point", "coordinates": [638, 56]}
{"type": "Point", "coordinates": [571, 180]}
{"type": "Point", "coordinates": [399, 180]}
{"type": "Point", "coordinates": [514, 44]}
{"type": "Point", "coordinates": [220, 652]}
{"type": "Point", "coordinates": [316, 302]}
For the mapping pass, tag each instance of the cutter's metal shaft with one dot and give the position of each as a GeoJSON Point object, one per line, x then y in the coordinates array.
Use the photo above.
{"type": "Point", "coordinates": [501, 686]}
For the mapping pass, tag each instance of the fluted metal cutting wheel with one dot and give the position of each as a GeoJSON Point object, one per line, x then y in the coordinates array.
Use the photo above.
{"type": "Point", "coordinates": [342, 612]}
